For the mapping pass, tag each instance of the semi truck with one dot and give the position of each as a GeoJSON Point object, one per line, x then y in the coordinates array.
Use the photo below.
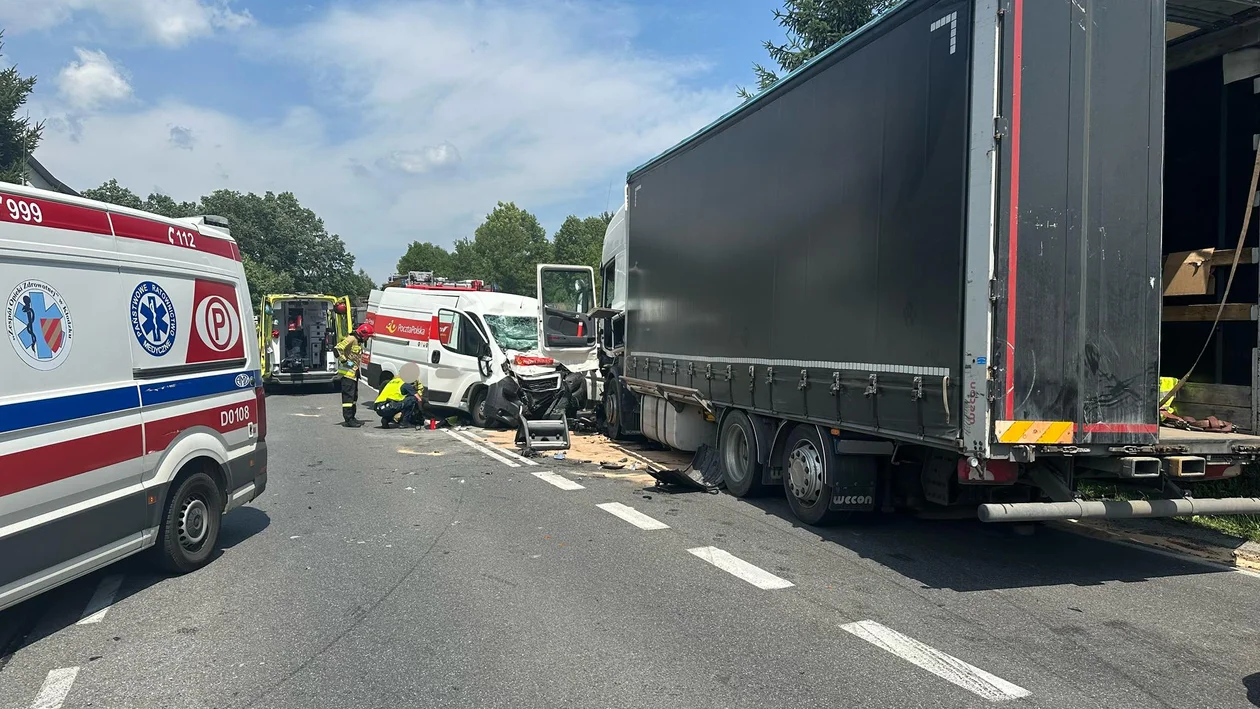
{"type": "Point", "coordinates": [922, 271]}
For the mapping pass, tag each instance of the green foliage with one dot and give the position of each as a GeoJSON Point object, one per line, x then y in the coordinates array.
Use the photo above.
{"type": "Point", "coordinates": [18, 136]}
{"type": "Point", "coordinates": [812, 26]}
{"type": "Point", "coordinates": [504, 251]}
{"type": "Point", "coordinates": [426, 257]}
{"type": "Point", "coordinates": [284, 245]}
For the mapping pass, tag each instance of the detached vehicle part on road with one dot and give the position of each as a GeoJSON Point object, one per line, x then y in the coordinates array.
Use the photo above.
{"type": "Point", "coordinates": [922, 270]}
{"type": "Point", "coordinates": [133, 415]}
{"type": "Point", "coordinates": [298, 335]}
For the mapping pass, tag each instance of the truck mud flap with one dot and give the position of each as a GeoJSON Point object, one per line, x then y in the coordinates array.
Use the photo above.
{"type": "Point", "coordinates": [704, 474]}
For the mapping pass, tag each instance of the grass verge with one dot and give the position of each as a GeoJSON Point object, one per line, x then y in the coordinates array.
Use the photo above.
{"type": "Point", "coordinates": [1245, 485]}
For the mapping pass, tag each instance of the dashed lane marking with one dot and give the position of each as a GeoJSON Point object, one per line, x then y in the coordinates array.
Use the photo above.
{"type": "Point", "coordinates": [501, 451]}
{"type": "Point", "coordinates": [482, 449]}
{"type": "Point", "coordinates": [96, 608]}
{"type": "Point", "coordinates": [739, 568]}
{"type": "Point", "coordinates": [559, 481]}
{"type": "Point", "coordinates": [632, 516]}
{"type": "Point", "coordinates": [56, 686]}
{"type": "Point", "coordinates": [949, 668]}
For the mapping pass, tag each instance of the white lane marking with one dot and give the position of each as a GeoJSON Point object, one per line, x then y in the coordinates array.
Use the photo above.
{"type": "Point", "coordinates": [483, 449]}
{"type": "Point", "coordinates": [55, 688]}
{"type": "Point", "coordinates": [559, 481]}
{"type": "Point", "coordinates": [632, 516]}
{"type": "Point", "coordinates": [490, 446]}
{"type": "Point", "coordinates": [947, 667]}
{"type": "Point", "coordinates": [101, 600]}
{"type": "Point", "coordinates": [739, 568]}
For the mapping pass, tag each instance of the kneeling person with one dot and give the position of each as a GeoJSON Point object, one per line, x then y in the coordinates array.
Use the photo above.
{"type": "Point", "coordinates": [399, 400]}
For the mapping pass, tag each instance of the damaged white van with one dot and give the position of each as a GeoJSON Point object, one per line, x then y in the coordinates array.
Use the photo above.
{"type": "Point", "coordinates": [466, 337]}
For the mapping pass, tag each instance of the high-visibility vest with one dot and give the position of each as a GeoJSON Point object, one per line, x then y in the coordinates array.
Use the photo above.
{"type": "Point", "coordinates": [392, 391]}
{"type": "Point", "coordinates": [349, 352]}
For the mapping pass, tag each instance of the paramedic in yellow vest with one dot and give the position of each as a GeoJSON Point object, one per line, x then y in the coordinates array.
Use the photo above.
{"type": "Point", "coordinates": [399, 400]}
{"type": "Point", "coordinates": [349, 352]}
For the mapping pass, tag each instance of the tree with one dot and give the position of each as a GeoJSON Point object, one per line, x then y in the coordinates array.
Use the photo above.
{"type": "Point", "coordinates": [18, 136]}
{"type": "Point", "coordinates": [505, 250]}
{"type": "Point", "coordinates": [581, 242]}
{"type": "Point", "coordinates": [426, 257]}
{"type": "Point", "coordinates": [284, 246]}
{"type": "Point", "coordinates": [812, 26]}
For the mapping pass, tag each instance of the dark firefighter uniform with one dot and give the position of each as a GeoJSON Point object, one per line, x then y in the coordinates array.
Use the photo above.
{"type": "Point", "coordinates": [400, 397]}
{"type": "Point", "coordinates": [349, 353]}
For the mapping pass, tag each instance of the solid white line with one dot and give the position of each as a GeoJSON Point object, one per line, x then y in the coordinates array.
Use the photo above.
{"type": "Point", "coordinates": [101, 600]}
{"type": "Point", "coordinates": [737, 567]}
{"type": "Point", "coordinates": [483, 449]}
{"type": "Point", "coordinates": [947, 667]}
{"type": "Point", "coordinates": [55, 688]}
{"type": "Point", "coordinates": [632, 516]}
{"type": "Point", "coordinates": [559, 481]}
{"type": "Point", "coordinates": [487, 444]}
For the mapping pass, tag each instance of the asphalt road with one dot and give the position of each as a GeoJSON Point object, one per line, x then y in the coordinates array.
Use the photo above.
{"type": "Point", "coordinates": [409, 569]}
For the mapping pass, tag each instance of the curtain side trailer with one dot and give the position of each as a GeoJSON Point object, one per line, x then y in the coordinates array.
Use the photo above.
{"type": "Point", "coordinates": [923, 270]}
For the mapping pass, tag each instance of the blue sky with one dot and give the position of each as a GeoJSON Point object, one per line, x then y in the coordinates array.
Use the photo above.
{"type": "Point", "coordinates": [394, 120]}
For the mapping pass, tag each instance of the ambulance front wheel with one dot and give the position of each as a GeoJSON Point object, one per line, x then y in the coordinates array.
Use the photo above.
{"type": "Point", "coordinates": [190, 524]}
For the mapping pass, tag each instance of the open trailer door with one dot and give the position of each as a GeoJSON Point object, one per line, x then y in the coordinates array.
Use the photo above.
{"type": "Point", "coordinates": [566, 298]}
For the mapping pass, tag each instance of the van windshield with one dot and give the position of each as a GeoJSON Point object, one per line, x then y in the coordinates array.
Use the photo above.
{"type": "Point", "coordinates": [514, 332]}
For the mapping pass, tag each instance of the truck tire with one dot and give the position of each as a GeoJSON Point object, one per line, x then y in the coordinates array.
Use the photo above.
{"type": "Point", "coordinates": [190, 524]}
{"type": "Point", "coordinates": [804, 459]}
{"type": "Point", "coordinates": [737, 446]}
{"type": "Point", "coordinates": [477, 408]}
{"type": "Point", "coordinates": [613, 427]}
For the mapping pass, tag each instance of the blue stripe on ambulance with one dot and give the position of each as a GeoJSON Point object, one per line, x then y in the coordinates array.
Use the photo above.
{"type": "Point", "coordinates": [72, 407]}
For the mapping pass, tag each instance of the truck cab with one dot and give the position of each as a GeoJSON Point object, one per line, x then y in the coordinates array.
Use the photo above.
{"type": "Point", "coordinates": [297, 334]}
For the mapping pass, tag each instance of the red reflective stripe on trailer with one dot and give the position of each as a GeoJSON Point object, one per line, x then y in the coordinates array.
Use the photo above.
{"type": "Point", "coordinates": [1120, 428]}
{"type": "Point", "coordinates": [187, 237]}
{"type": "Point", "coordinates": [57, 461]}
{"type": "Point", "coordinates": [1017, 87]}
{"type": "Point", "coordinates": [224, 419]}
{"type": "Point", "coordinates": [18, 209]}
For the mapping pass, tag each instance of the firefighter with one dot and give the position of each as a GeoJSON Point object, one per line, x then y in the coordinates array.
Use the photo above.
{"type": "Point", "coordinates": [400, 399]}
{"type": "Point", "coordinates": [349, 352]}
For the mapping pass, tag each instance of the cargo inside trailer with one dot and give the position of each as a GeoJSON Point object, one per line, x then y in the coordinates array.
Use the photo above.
{"type": "Point", "coordinates": [1212, 118]}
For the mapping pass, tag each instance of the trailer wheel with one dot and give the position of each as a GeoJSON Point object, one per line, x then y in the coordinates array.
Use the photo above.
{"type": "Point", "coordinates": [804, 460]}
{"type": "Point", "coordinates": [738, 449]}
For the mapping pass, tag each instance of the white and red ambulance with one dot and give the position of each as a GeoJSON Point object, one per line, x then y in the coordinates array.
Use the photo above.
{"type": "Point", "coordinates": [132, 414]}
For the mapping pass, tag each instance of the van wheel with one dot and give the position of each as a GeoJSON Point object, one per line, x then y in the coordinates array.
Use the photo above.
{"type": "Point", "coordinates": [804, 460]}
{"type": "Point", "coordinates": [477, 409]}
{"type": "Point", "coordinates": [738, 451]}
{"type": "Point", "coordinates": [190, 525]}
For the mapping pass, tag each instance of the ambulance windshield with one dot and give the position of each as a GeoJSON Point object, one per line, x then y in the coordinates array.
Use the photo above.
{"type": "Point", "coordinates": [514, 332]}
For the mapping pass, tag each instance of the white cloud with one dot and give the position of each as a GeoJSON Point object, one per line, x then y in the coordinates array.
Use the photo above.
{"type": "Point", "coordinates": [92, 81]}
{"type": "Point", "coordinates": [440, 111]}
{"type": "Point", "coordinates": [168, 22]}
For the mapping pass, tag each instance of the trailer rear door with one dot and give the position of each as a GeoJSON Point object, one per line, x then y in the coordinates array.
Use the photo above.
{"type": "Point", "coordinates": [1077, 299]}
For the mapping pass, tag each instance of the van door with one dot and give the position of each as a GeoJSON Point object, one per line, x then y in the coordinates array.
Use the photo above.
{"type": "Point", "coordinates": [566, 297]}
{"type": "Point", "coordinates": [453, 358]}
{"type": "Point", "coordinates": [263, 328]}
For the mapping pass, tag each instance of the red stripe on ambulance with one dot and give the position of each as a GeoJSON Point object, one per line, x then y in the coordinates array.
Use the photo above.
{"type": "Point", "coordinates": [57, 461]}
{"type": "Point", "coordinates": [129, 227]}
{"type": "Point", "coordinates": [54, 215]}
{"type": "Point", "coordinates": [224, 419]}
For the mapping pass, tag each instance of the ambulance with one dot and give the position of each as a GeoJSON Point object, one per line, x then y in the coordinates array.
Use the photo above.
{"type": "Point", "coordinates": [466, 337]}
{"type": "Point", "coordinates": [132, 414]}
{"type": "Point", "coordinates": [297, 335]}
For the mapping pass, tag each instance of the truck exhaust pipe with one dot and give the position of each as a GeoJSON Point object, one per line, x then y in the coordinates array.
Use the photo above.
{"type": "Point", "coordinates": [1116, 509]}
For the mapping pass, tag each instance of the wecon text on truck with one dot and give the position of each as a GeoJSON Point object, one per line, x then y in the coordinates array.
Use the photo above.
{"type": "Point", "coordinates": [920, 271]}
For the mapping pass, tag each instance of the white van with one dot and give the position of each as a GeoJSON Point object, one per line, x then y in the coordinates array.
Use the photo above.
{"type": "Point", "coordinates": [465, 337]}
{"type": "Point", "coordinates": [132, 414]}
